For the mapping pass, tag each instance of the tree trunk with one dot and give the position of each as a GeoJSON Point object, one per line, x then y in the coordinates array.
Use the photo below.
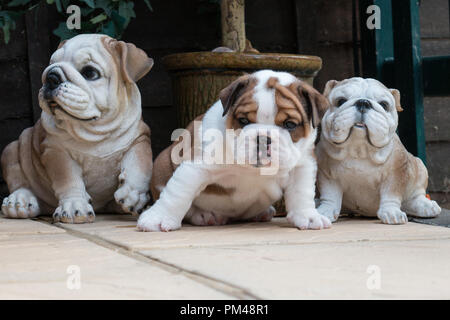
{"type": "Point", "coordinates": [233, 24]}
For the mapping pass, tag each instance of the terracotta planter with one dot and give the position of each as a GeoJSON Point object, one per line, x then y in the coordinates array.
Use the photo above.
{"type": "Point", "coordinates": [198, 77]}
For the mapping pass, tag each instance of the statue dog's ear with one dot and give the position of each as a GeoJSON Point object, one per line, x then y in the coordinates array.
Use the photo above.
{"type": "Point", "coordinates": [329, 86]}
{"type": "Point", "coordinates": [396, 95]}
{"type": "Point", "coordinates": [133, 62]}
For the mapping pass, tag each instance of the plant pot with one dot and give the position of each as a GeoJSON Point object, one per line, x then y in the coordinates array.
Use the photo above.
{"type": "Point", "coordinates": [198, 77]}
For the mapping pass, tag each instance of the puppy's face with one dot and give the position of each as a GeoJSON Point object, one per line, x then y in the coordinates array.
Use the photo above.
{"type": "Point", "coordinates": [88, 78]}
{"type": "Point", "coordinates": [273, 116]}
{"type": "Point", "coordinates": [361, 110]}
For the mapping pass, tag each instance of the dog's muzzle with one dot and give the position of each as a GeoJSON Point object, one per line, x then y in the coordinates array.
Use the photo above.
{"type": "Point", "coordinates": [53, 80]}
{"type": "Point", "coordinates": [263, 150]}
{"type": "Point", "coordinates": [363, 105]}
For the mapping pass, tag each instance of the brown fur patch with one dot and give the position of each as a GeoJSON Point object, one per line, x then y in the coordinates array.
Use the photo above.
{"type": "Point", "coordinates": [238, 102]}
{"type": "Point", "coordinates": [290, 108]}
{"type": "Point", "coordinates": [218, 190]}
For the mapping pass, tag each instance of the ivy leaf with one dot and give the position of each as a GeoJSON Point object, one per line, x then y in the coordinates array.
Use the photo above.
{"type": "Point", "coordinates": [16, 3]}
{"type": "Point", "coordinates": [63, 33]}
{"type": "Point", "coordinates": [119, 22]}
{"type": "Point", "coordinates": [105, 5]}
{"type": "Point", "coordinates": [109, 29]}
{"type": "Point", "coordinates": [90, 3]}
{"type": "Point", "coordinates": [58, 5]}
{"type": "Point", "coordinates": [99, 18]}
{"type": "Point", "coordinates": [149, 6]}
{"type": "Point", "coordinates": [126, 10]}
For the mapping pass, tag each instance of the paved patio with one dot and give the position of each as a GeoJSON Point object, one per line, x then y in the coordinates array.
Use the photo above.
{"type": "Point", "coordinates": [357, 258]}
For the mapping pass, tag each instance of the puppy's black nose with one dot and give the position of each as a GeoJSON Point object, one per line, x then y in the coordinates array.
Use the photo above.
{"type": "Point", "coordinates": [53, 80]}
{"type": "Point", "coordinates": [263, 139]}
{"type": "Point", "coordinates": [363, 104]}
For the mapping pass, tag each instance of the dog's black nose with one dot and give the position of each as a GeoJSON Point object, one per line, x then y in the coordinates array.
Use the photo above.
{"type": "Point", "coordinates": [363, 104]}
{"type": "Point", "coordinates": [263, 139]}
{"type": "Point", "coordinates": [53, 80]}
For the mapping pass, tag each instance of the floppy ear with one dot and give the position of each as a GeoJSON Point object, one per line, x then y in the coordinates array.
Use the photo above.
{"type": "Point", "coordinates": [61, 44]}
{"type": "Point", "coordinates": [229, 95]}
{"type": "Point", "coordinates": [134, 62]}
{"type": "Point", "coordinates": [396, 95]}
{"type": "Point", "coordinates": [329, 86]}
{"type": "Point", "coordinates": [316, 103]}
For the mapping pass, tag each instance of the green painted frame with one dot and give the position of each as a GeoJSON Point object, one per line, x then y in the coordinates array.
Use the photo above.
{"type": "Point", "coordinates": [392, 55]}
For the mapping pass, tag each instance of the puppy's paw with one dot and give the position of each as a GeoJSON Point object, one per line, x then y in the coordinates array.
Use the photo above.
{"type": "Point", "coordinates": [74, 210]}
{"type": "Point", "coordinates": [155, 220]}
{"type": "Point", "coordinates": [131, 199]}
{"type": "Point", "coordinates": [265, 216]}
{"type": "Point", "coordinates": [20, 204]}
{"type": "Point", "coordinates": [423, 208]}
{"type": "Point", "coordinates": [392, 215]}
{"type": "Point", "coordinates": [308, 219]}
{"type": "Point", "coordinates": [330, 212]}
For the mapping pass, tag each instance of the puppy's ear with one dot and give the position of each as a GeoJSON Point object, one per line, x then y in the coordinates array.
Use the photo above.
{"type": "Point", "coordinates": [134, 62]}
{"type": "Point", "coordinates": [229, 95]}
{"type": "Point", "coordinates": [396, 95]}
{"type": "Point", "coordinates": [316, 103]}
{"type": "Point", "coordinates": [61, 44]}
{"type": "Point", "coordinates": [329, 86]}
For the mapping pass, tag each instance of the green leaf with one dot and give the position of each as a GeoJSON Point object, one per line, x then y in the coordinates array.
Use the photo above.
{"type": "Point", "coordinates": [15, 3]}
{"type": "Point", "coordinates": [105, 5]}
{"type": "Point", "coordinates": [149, 6]}
{"type": "Point", "coordinates": [58, 5]}
{"type": "Point", "coordinates": [109, 29]}
{"type": "Point", "coordinates": [126, 10]}
{"type": "Point", "coordinates": [6, 33]}
{"type": "Point", "coordinates": [119, 22]}
{"type": "Point", "coordinates": [99, 18]}
{"type": "Point", "coordinates": [90, 3]}
{"type": "Point", "coordinates": [63, 33]}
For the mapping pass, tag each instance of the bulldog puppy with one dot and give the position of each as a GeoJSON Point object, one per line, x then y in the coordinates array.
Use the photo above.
{"type": "Point", "coordinates": [363, 166]}
{"type": "Point", "coordinates": [90, 145]}
{"type": "Point", "coordinates": [270, 118]}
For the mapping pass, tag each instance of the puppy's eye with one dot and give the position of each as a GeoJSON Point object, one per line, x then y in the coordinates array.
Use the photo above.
{"type": "Point", "coordinates": [90, 73]}
{"type": "Point", "coordinates": [243, 121]}
{"type": "Point", "coordinates": [290, 125]}
{"type": "Point", "coordinates": [340, 102]}
{"type": "Point", "coordinates": [384, 104]}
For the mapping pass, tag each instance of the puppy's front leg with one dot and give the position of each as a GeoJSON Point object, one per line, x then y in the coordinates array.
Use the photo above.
{"type": "Point", "coordinates": [134, 179]}
{"type": "Point", "coordinates": [389, 211]}
{"type": "Point", "coordinates": [299, 199]}
{"type": "Point", "coordinates": [330, 197]}
{"type": "Point", "coordinates": [168, 211]}
{"type": "Point", "coordinates": [66, 177]}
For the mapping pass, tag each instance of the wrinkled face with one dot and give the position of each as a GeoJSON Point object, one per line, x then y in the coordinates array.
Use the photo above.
{"type": "Point", "coordinates": [361, 110]}
{"type": "Point", "coordinates": [273, 116]}
{"type": "Point", "coordinates": [86, 76]}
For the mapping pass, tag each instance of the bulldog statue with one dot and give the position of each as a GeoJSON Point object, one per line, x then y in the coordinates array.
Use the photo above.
{"type": "Point", "coordinates": [363, 166]}
{"type": "Point", "coordinates": [90, 146]}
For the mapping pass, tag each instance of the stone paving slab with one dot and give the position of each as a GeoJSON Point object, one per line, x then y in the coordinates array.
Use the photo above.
{"type": "Point", "coordinates": [120, 230]}
{"type": "Point", "coordinates": [35, 267]}
{"type": "Point", "coordinates": [25, 226]}
{"type": "Point", "coordinates": [407, 269]}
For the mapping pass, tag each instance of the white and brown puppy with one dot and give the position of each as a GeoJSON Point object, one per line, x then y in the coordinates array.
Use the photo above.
{"type": "Point", "coordinates": [90, 144]}
{"type": "Point", "coordinates": [275, 113]}
{"type": "Point", "coordinates": [363, 166]}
